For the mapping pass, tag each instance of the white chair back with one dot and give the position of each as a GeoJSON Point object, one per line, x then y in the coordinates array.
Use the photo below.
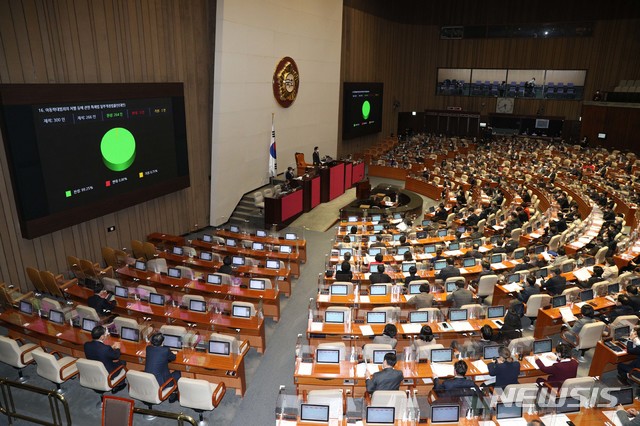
{"type": "Point", "coordinates": [333, 397]}
{"type": "Point", "coordinates": [143, 387]}
{"type": "Point", "coordinates": [397, 399]}
{"type": "Point", "coordinates": [534, 303]}
{"type": "Point", "coordinates": [367, 350]}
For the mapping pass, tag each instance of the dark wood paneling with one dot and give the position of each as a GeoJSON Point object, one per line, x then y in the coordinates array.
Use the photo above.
{"type": "Point", "coordinates": [621, 124]}
{"type": "Point", "coordinates": [109, 41]}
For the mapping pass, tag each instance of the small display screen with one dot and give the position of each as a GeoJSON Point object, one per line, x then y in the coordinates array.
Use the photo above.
{"type": "Point", "coordinates": [418, 316]}
{"type": "Point", "coordinates": [468, 262]}
{"type": "Point", "coordinates": [255, 284]}
{"type": "Point", "coordinates": [558, 301]}
{"type": "Point", "coordinates": [218, 347]}
{"type": "Point", "coordinates": [214, 279]}
{"type": "Point", "coordinates": [445, 414]}
{"type": "Point", "coordinates": [56, 316]}
{"type": "Point", "coordinates": [130, 334]}
{"type": "Point", "coordinates": [88, 324]}
{"type": "Point", "coordinates": [314, 413]}
{"type": "Point", "coordinates": [140, 265]}
{"type": "Point", "coordinates": [197, 305]}
{"type": "Point", "coordinates": [336, 317]}
{"type": "Point", "coordinates": [174, 272]}
{"type": "Point", "coordinates": [378, 355]}
{"type": "Point", "coordinates": [207, 256]}
{"type": "Point", "coordinates": [458, 314]}
{"type": "Point", "coordinates": [328, 356]}
{"type": "Point", "coordinates": [241, 311]}
{"type": "Point", "coordinates": [122, 291]}
{"type": "Point", "coordinates": [156, 299]}
{"type": "Point", "coordinates": [495, 311]}
{"type": "Point", "coordinates": [171, 341]}
{"type": "Point", "coordinates": [441, 355]}
{"type": "Point", "coordinates": [378, 290]}
{"type": "Point", "coordinates": [541, 346]}
{"type": "Point", "coordinates": [177, 250]}
{"type": "Point", "coordinates": [376, 317]}
{"type": "Point", "coordinates": [381, 415]}
{"type": "Point", "coordinates": [273, 264]}
{"type": "Point", "coordinates": [339, 289]}
{"type": "Point", "coordinates": [510, 411]}
{"type": "Point", "coordinates": [491, 351]}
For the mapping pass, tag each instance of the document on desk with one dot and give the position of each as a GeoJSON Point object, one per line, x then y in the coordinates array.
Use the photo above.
{"type": "Point", "coordinates": [555, 419]}
{"type": "Point", "coordinates": [409, 296]}
{"type": "Point", "coordinates": [514, 422]}
{"type": "Point", "coordinates": [316, 326]}
{"type": "Point", "coordinates": [512, 288]}
{"type": "Point", "coordinates": [463, 271]}
{"type": "Point", "coordinates": [366, 330]}
{"type": "Point", "coordinates": [371, 368]}
{"type": "Point", "coordinates": [545, 361]}
{"type": "Point", "coordinates": [498, 265]}
{"type": "Point", "coordinates": [612, 416]}
{"type": "Point", "coordinates": [582, 274]}
{"type": "Point", "coordinates": [461, 325]}
{"type": "Point", "coordinates": [442, 370]}
{"type": "Point", "coordinates": [324, 298]}
{"type": "Point", "coordinates": [367, 275]}
{"type": "Point", "coordinates": [398, 258]}
{"type": "Point", "coordinates": [411, 328]}
{"type": "Point", "coordinates": [365, 299]}
{"type": "Point", "coordinates": [567, 314]}
{"type": "Point", "coordinates": [483, 249]}
{"type": "Point", "coordinates": [453, 253]}
{"type": "Point", "coordinates": [481, 366]}
{"type": "Point", "coordinates": [305, 368]}
{"type": "Point", "coordinates": [535, 235]}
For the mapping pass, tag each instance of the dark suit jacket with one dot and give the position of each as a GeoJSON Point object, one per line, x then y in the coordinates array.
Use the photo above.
{"type": "Point", "coordinates": [377, 277]}
{"type": "Point", "coordinates": [422, 300]}
{"type": "Point", "coordinates": [158, 359]}
{"type": "Point", "coordinates": [555, 285]}
{"type": "Point", "coordinates": [386, 379]}
{"type": "Point", "coordinates": [455, 383]}
{"type": "Point", "coordinates": [506, 373]}
{"type": "Point", "coordinates": [316, 158]}
{"type": "Point", "coordinates": [559, 371]}
{"type": "Point", "coordinates": [448, 272]}
{"type": "Point", "coordinates": [410, 278]}
{"type": "Point", "coordinates": [97, 351]}
{"type": "Point", "coordinates": [225, 269]}
{"type": "Point", "coordinates": [102, 306]}
{"type": "Point", "coordinates": [522, 267]}
{"type": "Point", "coordinates": [341, 276]}
{"type": "Point", "coordinates": [527, 292]}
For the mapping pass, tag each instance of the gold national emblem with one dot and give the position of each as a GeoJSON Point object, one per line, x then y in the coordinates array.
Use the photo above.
{"type": "Point", "coordinates": [286, 82]}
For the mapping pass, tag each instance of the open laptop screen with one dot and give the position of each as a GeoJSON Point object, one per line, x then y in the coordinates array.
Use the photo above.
{"type": "Point", "coordinates": [172, 341]}
{"type": "Point", "coordinates": [328, 356]}
{"type": "Point", "coordinates": [441, 355]}
{"type": "Point", "coordinates": [88, 324]}
{"type": "Point", "coordinates": [541, 346]}
{"type": "Point", "coordinates": [445, 414]}
{"type": "Point", "coordinates": [378, 355]}
{"type": "Point", "coordinates": [495, 312]}
{"type": "Point", "coordinates": [56, 316]}
{"type": "Point", "coordinates": [241, 311]}
{"type": "Point", "coordinates": [314, 413]}
{"type": "Point", "coordinates": [510, 411]}
{"type": "Point", "coordinates": [381, 415]}
{"type": "Point", "coordinates": [376, 317]}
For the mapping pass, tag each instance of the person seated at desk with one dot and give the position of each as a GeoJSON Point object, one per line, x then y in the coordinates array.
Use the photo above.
{"type": "Point", "coordinates": [633, 348]}
{"type": "Point", "coordinates": [610, 269]}
{"type": "Point", "coordinates": [526, 265]}
{"type": "Point", "coordinates": [380, 276]}
{"type": "Point", "coordinates": [448, 271]}
{"type": "Point", "coordinates": [530, 288]}
{"type": "Point", "coordinates": [556, 284]}
{"type": "Point", "coordinates": [512, 324]}
{"type": "Point", "coordinates": [289, 174]}
{"type": "Point", "coordinates": [475, 347]}
{"type": "Point", "coordinates": [629, 417]}
{"type": "Point", "coordinates": [564, 368]}
{"type": "Point", "coordinates": [512, 223]}
{"type": "Point", "coordinates": [226, 268]}
{"type": "Point", "coordinates": [424, 299]}
{"type": "Point", "coordinates": [461, 296]}
{"type": "Point", "coordinates": [475, 252]}
{"type": "Point", "coordinates": [387, 378]}
{"type": "Point", "coordinates": [412, 276]}
{"type": "Point", "coordinates": [505, 369]}
{"type": "Point", "coordinates": [595, 278]}
{"type": "Point", "coordinates": [407, 256]}
{"type": "Point", "coordinates": [344, 274]}
{"type": "Point", "coordinates": [623, 307]}
{"type": "Point", "coordinates": [473, 218]}
{"type": "Point", "coordinates": [587, 317]}
{"type": "Point", "coordinates": [486, 269]}
{"type": "Point", "coordinates": [459, 381]}
{"type": "Point", "coordinates": [425, 337]}
{"type": "Point", "coordinates": [102, 301]}
{"type": "Point", "coordinates": [109, 356]}
{"type": "Point", "coordinates": [403, 241]}
{"type": "Point", "coordinates": [157, 362]}
{"type": "Point", "coordinates": [634, 297]}
{"type": "Point", "coordinates": [377, 243]}
{"type": "Point", "coordinates": [388, 336]}
{"type": "Point", "coordinates": [475, 233]}
{"type": "Point", "coordinates": [377, 260]}
{"type": "Point", "coordinates": [440, 214]}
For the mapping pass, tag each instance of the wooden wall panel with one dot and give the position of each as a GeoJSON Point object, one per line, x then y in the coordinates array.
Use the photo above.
{"type": "Point", "coordinates": [406, 58]}
{"type": "Point", "coordinates": [109, 41]}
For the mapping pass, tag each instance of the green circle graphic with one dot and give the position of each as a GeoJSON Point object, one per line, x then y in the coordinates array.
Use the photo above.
{"type": "Point", "coordinates": [366, 109]}
{"type": "Point", "coordinates": [118, 149]}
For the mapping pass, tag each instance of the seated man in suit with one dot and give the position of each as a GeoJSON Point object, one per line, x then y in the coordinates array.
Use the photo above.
{"type": "Point", "coordinates": [412, 276]}
{"type": "Point", "coordinates": [101, 301]}
{"type": "Point", "coordinates": [157, 362]}
{"type": "Point", "coordinates": [344, 274]}
{"type": "Point", "coordinates": [422, 300]}
{"type": "Point", "coordinates": [634, 298]}
{"type": "Point", "coordinates": [379, 276]}
{"type": "Point", "coordinates": [448, 271]}
{"type": "Point", "coordinates": [529, 289]}
{"type": "Point", "coordinates": [461, 296]}
{"type": "Point", "coordinates": [633, 348]}
{"type": "Point", "coordinates": [459, 381]}
{"type": "Point", "coordinates": [556, 284]}
{"type": "Point", "coordinates": [595, 278]}
{"type": "Point", "coordinates": [226, 268]}
{"type": "Point", "coordinates": [387, 378]}
{"type": "Point", "coordinates": [97, 350]}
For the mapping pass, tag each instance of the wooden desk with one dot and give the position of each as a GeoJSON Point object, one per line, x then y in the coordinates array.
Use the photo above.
{"type": "Point", "coordinates": [299, 243]}
{"type": "Point", "coordinates": [604, 359]}
{"type": "Point", "coordinates": [164, 240]}
{"type": "Point", "coordinates": [281, 210]}
{"type": "Point", "coordinates": [549, 321]}
{"type": "Point", "coordinates": [251, 329]}
{"type": "Point", "coordinates": [425, 188]}
{"type": "Point", "coordinates": [70, 340]}
{"type": "Point", "coordinates": [165, 285]}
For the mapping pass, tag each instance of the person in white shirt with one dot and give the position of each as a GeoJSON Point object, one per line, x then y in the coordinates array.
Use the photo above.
{"type": "Point", "coordinates": [610, 269]}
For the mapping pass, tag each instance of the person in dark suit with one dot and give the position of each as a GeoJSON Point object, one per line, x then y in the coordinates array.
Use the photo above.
{"type": "Point", "coordinates": [289, 174]}
{"type": "Point", "coordinates": [595, 278]}
{"type": "Point", "coordinates": [461, 296]}
{"type": "Point", "coordinates": [316, 156]}
{"type": "Point", "coordinates": [526, 265]}
{"type": "Point", "coordinates": [101, 301]}
{"type": "Point", "coordinates": [556, 284]}
{"type": "Point", "coordinates": [623, 307]}
{"type": "Point", "coordinates": [422, 300]}
{"type": "Point", "coordinates": [345, 273]}
{"type": "Point", "coordinates": [412, 276]}
{"type": "Point", "coordinates": [226, 266]}
{"type": "Point", "coordinates": [97, 350]}
{"type": "Point", "coordinates": [564, 368]}
{"type": "Point", "coordinates": [529, 290]}
{"type": "Point", "coordinates": [628, 417]}
{"type": "Point", "coordinates": [459, 381]}
{"type": "Point", "coordinates": [505, 369]}
{"type": "Point", "coordinates": [633, 348]}
{"type": "Point", "coordinates": [475, 252]}
{"type": "Point", "coordinates": [157, 363]}
{"type": "Point", "coordinates": [512, 324]}
{"type": "Point", "coordinates": [448, 271]}
{"type": "Point", "coordinates": [486, 269]}
{"type": "Point", "coordinates": [634, 298]}
{"type": "Point", "coordinates": [379, 276]}
{"type": "Point", "coordinates": [473, 218]}
{"type": "Point", "coordinates": [387, 378]}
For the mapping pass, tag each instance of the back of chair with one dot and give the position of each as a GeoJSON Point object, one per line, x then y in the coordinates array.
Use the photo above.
{"type": "Point", "coordinates": [121, 321]}
{"type": "Point", "coordinates": [333, 397]}
{"type": "Point", "coordinates": [367, 350]}
{"type": "Point", "coordinates": [196, 393]}
{"type": "Point", "coordinates": [48, 366]}
{"type": "Point", "coordinates": [622, 320]}
{"type": "Point", "coordinates": [393, 312]}
{"type": "Point", "coordinates": [147, 289]}
{"type": "Point", "coordinates": [87, 312]}
{"type": "Point", "coordinates": [397, 399]}
{"type": "Point", "coordinates": [187, 298]}
{"type": "Point", "coordinates": [234, 344]}
{"type": "Point", "coordinates": [577, 387]}
{"type": "Point", "coordinates": [424, 352]}
{"type": "Point", "coordinates": [143, 386]}
{"type": "Point", "coordinates": [600, 255]}
{"type": "Point", "coordinates": [521, 344]}
{"type": "Point", "coordinates": [225, 279]}
{"type": "Point", "coordinates": [117, 411]}
{"type": "Point", "coordinates": [36, 279]}
{"type": "Point", "coordinates": [486, 285]}
{"type": "Point", "coordinates": [335, 345]}
{"type": "Point", "coordinates": [10, 352]}
{"type": "Point", "coordinates": [590, 335]}
{"type": "Point", "coordinates": [535, 302]}
{"type": "Point", "coordinates": [522, 392]}
{"type": "Point", "coordinates": [189, 251]}
{"type": "Point", "coordinates": [251, 306]}
{"type": "Point", "coordinates": [93, 375]}
{"type": "Point", "coordinates": [158, 265]}
{"type": "Point", "coordinates": [266, 281]}
{"type": "Point", "coordinates": [137, 249]}
{"type": "Point", "coordinates": [110, 284]}
{"type": "Point", "coordinates": [174, 330]}
{"type": "Point", "coordinates": [47, 303]}
{"type": "Point", "coordinates": [110, 258]}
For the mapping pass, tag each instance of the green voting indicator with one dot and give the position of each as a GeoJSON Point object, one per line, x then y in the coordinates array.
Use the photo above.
{"type": "Point", "coordinates": [366, 109]}
{"type": "Point", "coordinates": [118, 149]}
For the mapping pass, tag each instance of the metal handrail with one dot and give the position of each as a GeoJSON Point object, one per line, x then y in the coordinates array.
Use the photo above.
{"type": "Point", "coordinates": [56, 401]}
{"type": "Point", "coordinates": [180, 417]}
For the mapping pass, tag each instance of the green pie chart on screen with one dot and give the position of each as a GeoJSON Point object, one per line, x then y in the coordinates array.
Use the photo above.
{"type": "Point", "coordinates": [366, 109]}
{"type": "Point", "coordinates": [118, 147]}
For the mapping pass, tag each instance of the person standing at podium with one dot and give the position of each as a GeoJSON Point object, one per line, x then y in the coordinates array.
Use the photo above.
{"type": "Point", "coordinates": [316, 156]}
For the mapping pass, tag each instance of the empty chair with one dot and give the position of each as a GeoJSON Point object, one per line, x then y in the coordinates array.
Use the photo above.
{"type": "Point", "coordinates": [73, 263]}
{"type": "Point", "coordinates": [268, 192]}
{"type": "Point", "coordinates": [521, 344]}
{"type": "Point", "coordinates": [258, 200]}
{"type": "Point", "coordinates": [145, 388]}
{"type": "Point", "coordinates": [236, 346]}
{"type": "Point", "coordinates": [332, 397]}
{"type": "Point", "coordinates": [622, 320]}
{"type": "Point", "coordinates": [424, 352]}
{"type": "Point", "coordinates": [186, 272]}
{"type": "Point", "coordinates": [12, 297]}
{"type": "Point", "coordinates": [52, 285]}
{"type": "Point", "coordinates": [137, 249]}
{"type": "Point", "coordinates": [600, 255]}
{"type": "Point", "coordinates": [94, 375]}
{"type": "Point", "coordinates": [345, 309]}
{"type": "Point", "coordinates": [17, 355]}
{"type": "Point", "coordinates": [189, 251]}
{"type": "Point", "coordinates": [486, 286]}
{"type": "Point", "coordinates": [225, 279]}
{"type": "Point", "coordinates": [588, 338]}
{"type": "Point", "coordinates": [87, 312]}
{"type": "Point", "coordinates": [93, 270]}
{"type": "Point", "coordinates": [200, 395]}
{"type": "Point", "coordinates": [110, 284]}
{"type": "Point", "coordinates": [174, 330]}
{"type": "Point", "coordinates": [474, 310]}
{"type": "Point", "coordinates": [47, 303]}
{"type": "Point", "coordinates": [554, 242]}
{"type": "Point", "coordinates": [146, 290]}
{"type": "Point", "coordinates": [367, 350]}
{"type": "Point", "coordinates": [534, 303]}
{"type": "Point", "coordinates": [117, 411]}
{"type": "Point", "coordinates": [121, 321]}
{"type": "Point", "coordinates": [110, 258]}
{"type": "Point", "coordinates": [36, 280]}
{"type": "Point", "coordinates": [396, 399]}
{"type": "Point", "coordinates": [572, 293]}
{"type": "Point", "coordinates": [158, 265]}
{"type": "Point", "coordinates": [57, 370]}
{"type": "Point", "coordinates": [515, 234]}
{"type": "Point", "coordinates": [149, 250]}
{"type": "Point", "coordinates": [187, 298]}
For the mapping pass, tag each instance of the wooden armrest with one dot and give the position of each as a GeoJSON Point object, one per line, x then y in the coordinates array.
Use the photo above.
{"type": "Point", "coordinates": [244, 347]}
{"type": "Point", "coordinates": [66, 366]}
{"type": "Point", "coordinates": [162, 386]}
{"type": "Point", "coordinates": [108, 271]}
{"type": "Point", "coordinates": [24, 353]}
{"type": "Point", "coordinates": [23, 296]}
{"type": "Point", "coordinates": [218, 394]}
{"type": "Point", "coordinates": [56, 354]}
{"type": "Point", "coordinates": [60, 277]}
{"type": "Point", "coordinates": [634, 377]}
{"type": "Point", "coordinates": [113, 374]}
{"type": "Point", "coordinates": [67, 284]}
{"type": "Point", "coordinates": [566, 333]}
